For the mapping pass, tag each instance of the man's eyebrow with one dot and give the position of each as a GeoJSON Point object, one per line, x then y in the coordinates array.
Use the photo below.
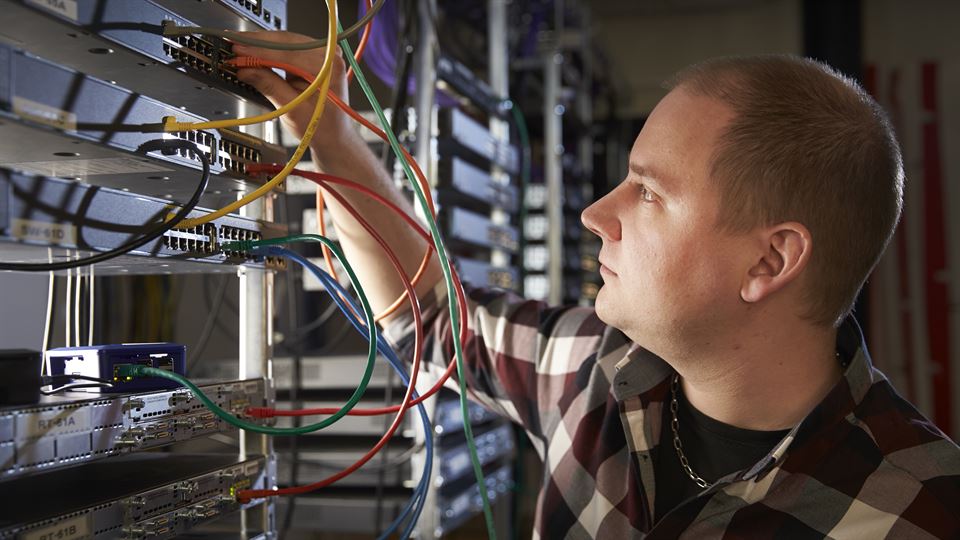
{"type": "Point", "coordinates": [659, 180]}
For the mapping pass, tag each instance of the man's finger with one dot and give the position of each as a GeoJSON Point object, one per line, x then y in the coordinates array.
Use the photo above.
{"type": "Point", "coordinates": [269, 84]}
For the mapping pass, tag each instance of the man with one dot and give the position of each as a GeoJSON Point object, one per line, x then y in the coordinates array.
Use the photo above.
{"type": "Point", "coordinates": [720, 388]}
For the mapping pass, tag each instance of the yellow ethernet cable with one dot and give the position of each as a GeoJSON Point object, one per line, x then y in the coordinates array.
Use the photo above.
{"type": "Point", "coordinates": [171, 125]}
{"type": "Point", "coordinates": [323, 76]}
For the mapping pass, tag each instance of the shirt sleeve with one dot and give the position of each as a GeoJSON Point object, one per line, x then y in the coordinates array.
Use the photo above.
{"type": "Point", "coordinates": [519, 354]}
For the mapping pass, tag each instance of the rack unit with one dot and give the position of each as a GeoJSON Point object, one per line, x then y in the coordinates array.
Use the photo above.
{"type": "Point", "coordinates": [77, 427]}
{"type": "Point", "coordinates": [83, 83]}
{"type": "Point", "coordinates": [121, 41]}
{"type": "Point", "coordinates": [134, 497]}
{"type": "Point", "coordinates": [44, 218]}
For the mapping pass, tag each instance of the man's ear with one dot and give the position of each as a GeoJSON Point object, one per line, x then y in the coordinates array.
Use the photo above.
{"type": "Point", "coordinates": [784, 252]}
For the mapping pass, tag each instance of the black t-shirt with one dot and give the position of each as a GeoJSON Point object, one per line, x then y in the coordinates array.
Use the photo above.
{"type": "Point", "coordinates": [714, 450]}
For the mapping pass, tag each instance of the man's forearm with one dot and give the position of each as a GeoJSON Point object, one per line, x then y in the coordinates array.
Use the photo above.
{"type": "Point", "coordinates": [352, 159]}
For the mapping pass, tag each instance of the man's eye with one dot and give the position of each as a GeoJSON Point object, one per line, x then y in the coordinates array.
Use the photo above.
{"type": "Point", "coordinates": [646, 194]}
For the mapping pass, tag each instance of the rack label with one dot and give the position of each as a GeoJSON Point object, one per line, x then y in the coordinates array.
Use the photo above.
{"type": "Point", "coordinates": [67, 8]}
{"type": "Point", "coordinates": [70, 529]}
{"type": "Point", "coordinates": [44, 114]}
{"type": "Point", "coordinates": [48, 423]}
{"type": "Point", "coordinates": [29, 230]}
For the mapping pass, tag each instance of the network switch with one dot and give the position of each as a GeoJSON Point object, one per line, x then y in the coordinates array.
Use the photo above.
{"type": "Point", "coordinates": [59, 122]}
{"type": "Point", "coordinates": [448, 417]}
{"type": "Point", "coordinates": [38, 214]}
{"type": "Point", "coordinates": [456, 508]}
{"type": "Point", "coordinates": [473, 228]}
{"type": "Point", "coordinates": [233, 14]}
{"type": "Point", "coordinates": [458, 174]}
{"type": "Point", "coordinates": [75, 427]}
{"type": "Point", "coordinates": [133, 497]}
{"type": "Point", "coordinates": [119, 40]}
{"type": "Point", "coordinates": [492, 445]}
{"type": "Point", "coordinates": [102, 362]}
{"type": "Point", "coordinates": [484, 274]}
{"type": "Point", "coordinates": [459, 131]}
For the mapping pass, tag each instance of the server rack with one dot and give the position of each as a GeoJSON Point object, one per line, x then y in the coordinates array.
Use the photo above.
{"type": "Point", "coordinates": [74, 77]}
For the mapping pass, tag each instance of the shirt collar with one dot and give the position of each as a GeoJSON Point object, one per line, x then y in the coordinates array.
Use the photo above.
{"type": "Point", "coordinates": [643, 374]}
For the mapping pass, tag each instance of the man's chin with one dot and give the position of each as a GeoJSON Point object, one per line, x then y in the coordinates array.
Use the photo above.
{"type": "Point", "coordinates": [602, 305]}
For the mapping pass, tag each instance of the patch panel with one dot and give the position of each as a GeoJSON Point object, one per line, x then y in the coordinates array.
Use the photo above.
{"type": "Point", "coordinates": [133, 497]}
{"type": "Point", "coordinates": [74, 427]}
{"type": "Point", "coordinates": [206, 56]}
{"type": "Point", "coordinates": [207, 239]}
{"type": "Point", "coordinates": [65, 216]}
{"type": "Point", "coordinates": [117, 40]}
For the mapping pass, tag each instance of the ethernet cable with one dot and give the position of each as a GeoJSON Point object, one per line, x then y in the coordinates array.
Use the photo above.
{"type": "Point", "coordinates": [324, 181]}
{"type": "Point", "coordinates": [69, 382]}
{"type": "Point", "coordinates": [131, 371]}
{"type": "Point", "coordinates": [323, 79]}
{"type": "Point", "coordinates": [253, 62]}
{"type": "Point", "coordinates": [343, 302]}
{"type": "Point", "coordinates": [179, 218]}
{"type": "Point", "coordinates": [238, 37]}
{"type": "Point", "coordinates": [455, 321]}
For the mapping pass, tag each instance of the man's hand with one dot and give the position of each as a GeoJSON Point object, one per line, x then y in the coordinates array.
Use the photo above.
{"type": "Point", "coordinates": [334, 125]}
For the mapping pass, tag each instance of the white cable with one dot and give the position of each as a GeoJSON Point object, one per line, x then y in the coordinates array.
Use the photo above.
{"type": "Point", "coordinates": [78, 288]}
{"type": "Point", "coordinates": [68, 308]}
{"type": "Point", "coordinates": [47, 322]}
{"type": "Point", "coordinates": [91, 299]}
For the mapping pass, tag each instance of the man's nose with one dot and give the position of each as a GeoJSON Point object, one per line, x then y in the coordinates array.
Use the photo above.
{"type": "Point", "coordinates": [601, 219]}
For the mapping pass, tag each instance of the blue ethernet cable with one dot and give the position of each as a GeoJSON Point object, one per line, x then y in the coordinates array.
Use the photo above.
{"type": "Point", "coordinates": [418, 499]}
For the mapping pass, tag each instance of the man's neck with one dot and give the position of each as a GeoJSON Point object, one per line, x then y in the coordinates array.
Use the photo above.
{"type": "Point", "coordinates": [769, 380]}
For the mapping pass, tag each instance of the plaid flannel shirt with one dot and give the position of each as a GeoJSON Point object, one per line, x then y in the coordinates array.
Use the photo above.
{"type": "Point", "coordinates": [863, 464]}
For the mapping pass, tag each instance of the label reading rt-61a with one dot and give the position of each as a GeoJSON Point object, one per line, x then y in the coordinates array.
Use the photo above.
{"type": "Point", "coordinates": [72, 529]}
{"type": "Point", "coordinates": [47, 423]}
{"type": "Point", "coordinates": [29, 230]}
{"type": "Point", "coordinates": [67, 8]}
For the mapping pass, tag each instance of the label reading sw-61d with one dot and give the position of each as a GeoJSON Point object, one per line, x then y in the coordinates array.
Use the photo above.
{"type": "Point", "coordinates": [77, 528]}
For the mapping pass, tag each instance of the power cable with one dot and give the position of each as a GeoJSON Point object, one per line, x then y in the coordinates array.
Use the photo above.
{"type": "Point", "coordinates": [168, 147]}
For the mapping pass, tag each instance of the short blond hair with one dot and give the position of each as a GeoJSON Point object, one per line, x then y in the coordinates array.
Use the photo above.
{"type": "Point", "coordinates": [806, 144]}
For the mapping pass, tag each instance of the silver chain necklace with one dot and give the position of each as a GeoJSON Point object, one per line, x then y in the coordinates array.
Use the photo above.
{"type": "Point", "coordinates": [675, 426]}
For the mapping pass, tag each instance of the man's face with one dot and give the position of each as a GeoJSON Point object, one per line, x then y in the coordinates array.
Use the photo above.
{"type": "Point", "coordinates": [671, 278]}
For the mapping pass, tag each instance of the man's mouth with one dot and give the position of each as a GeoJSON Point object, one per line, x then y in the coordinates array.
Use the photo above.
{"type": "Point", "coordinates": [605, 270]}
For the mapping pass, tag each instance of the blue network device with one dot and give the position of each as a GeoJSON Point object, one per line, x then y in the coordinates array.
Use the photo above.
{"type": "Point", "coordinates": [101, 361]}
